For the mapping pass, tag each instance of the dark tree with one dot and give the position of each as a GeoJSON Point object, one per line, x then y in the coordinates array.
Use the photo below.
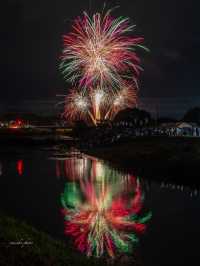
{"type": "Point", "coordinates": [135, 116]}
{"type": "Point", "coordinates": [80, 129]}
{"type": "Point", "coordinates": [192, 115]}
{"type": "Point", "coordinates": [166, 120]}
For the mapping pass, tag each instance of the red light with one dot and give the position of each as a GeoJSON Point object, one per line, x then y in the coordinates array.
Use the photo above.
{"type": "Point", "coordinates": [20, 167]}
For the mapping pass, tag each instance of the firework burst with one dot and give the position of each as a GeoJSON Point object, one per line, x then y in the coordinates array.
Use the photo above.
{"type": "Point", "coordinates": [86, 105]}
{"type": "Point", "coordinates": [99, 58]}
{"type": "Point", "coordinates": [97, 104]}
{"type": "Point", "coordinates": [76, 105]}
{"type": "Point", "coordinates": [124, 98]}
{"type": "Point", "coordinates": [99, 51]}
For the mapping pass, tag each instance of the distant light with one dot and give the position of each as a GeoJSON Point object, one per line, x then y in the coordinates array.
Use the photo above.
{"type": "Point", "coordinates": [20, 167]}
{"type": "Point", "coordinates": [14, 127]}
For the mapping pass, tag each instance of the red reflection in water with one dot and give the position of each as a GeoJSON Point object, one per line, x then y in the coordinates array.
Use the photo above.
{"type": "Point", "coordinates": [20, 167]}
{"type": "Point", "coordinates": [72, 168]}
{"type": "Point", "coordinates": [102, 208]}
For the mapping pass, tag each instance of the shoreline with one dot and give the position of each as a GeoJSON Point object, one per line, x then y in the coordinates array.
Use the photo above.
{"type": "Point", "coordinates": [20, 242]}
{"type": "Point", "coordinates": [161, 159]}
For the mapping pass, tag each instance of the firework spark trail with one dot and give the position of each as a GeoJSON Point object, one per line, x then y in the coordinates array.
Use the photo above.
{"type": "Point", "coordinates": [124, 98]}
{"type": "Point", "coordinates": [98, 104]}
{"type": "Point", "coordinates": [77, 106]}
{"type": "Point", "coordinates": [100, 216]}
{"type": "Point", "coordinates": [99, 58]}
{"type": "Point", "coordinates": [98, 51]}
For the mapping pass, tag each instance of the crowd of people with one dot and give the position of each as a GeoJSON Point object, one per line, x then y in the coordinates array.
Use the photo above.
{"type": "Point", "coordinates": [108, 135]}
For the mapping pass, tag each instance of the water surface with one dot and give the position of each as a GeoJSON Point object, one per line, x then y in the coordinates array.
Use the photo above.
{"type": "Point", "coordinates": [46, 189]}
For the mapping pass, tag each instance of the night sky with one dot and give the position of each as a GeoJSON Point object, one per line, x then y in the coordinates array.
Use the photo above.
{"type": "Point", "coordinates": [31, 42]}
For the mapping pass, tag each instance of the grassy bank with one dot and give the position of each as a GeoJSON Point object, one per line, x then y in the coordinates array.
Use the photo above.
{"type": "Point", "coordinates": [160, 158]}
{"type": "Point", "coordinates": [41, 250]}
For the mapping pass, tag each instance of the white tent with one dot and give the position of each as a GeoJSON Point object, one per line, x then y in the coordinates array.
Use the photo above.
{"type": "Point", "coordinates": [185, 125]}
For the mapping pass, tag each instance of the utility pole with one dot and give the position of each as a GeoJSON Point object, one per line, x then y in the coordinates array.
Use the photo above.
{"type": "Point", "coordinates": [157, 113]}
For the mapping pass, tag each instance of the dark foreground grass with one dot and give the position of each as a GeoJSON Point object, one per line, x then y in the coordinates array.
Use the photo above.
{"type": "Point", "coordinates": [43, 249]}
{"type": "Point", "coordinates": [175, 159]}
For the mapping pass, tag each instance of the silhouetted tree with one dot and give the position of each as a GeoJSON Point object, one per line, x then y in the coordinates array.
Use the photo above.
{"type": "Point", "coordinates": [192, 115]}
{"type": "Point", "coordinates": [166, 120]}
{"type": "Point", "coordinates": [135, 116]}
{"type": "Point", "coordinates": [80, 129]}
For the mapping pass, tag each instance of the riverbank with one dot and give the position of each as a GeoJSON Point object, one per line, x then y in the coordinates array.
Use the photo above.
{"type": "Point", "coordinates": [169, 159]}
{"type": "Point", "coordinates": [33, 137]}
{"type": "Point", "coordinates": [21, 244]}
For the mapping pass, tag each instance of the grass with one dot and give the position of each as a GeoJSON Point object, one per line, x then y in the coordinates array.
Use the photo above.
{"type": "Point", "coordinates": [44, 250]}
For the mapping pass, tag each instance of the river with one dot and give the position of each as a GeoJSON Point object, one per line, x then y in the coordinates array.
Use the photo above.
{"type": "Point", "coordinates": [102, 211]}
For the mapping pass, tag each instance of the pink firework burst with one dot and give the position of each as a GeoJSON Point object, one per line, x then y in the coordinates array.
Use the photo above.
{"type": "Point", "coordinates": [100, 51]}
